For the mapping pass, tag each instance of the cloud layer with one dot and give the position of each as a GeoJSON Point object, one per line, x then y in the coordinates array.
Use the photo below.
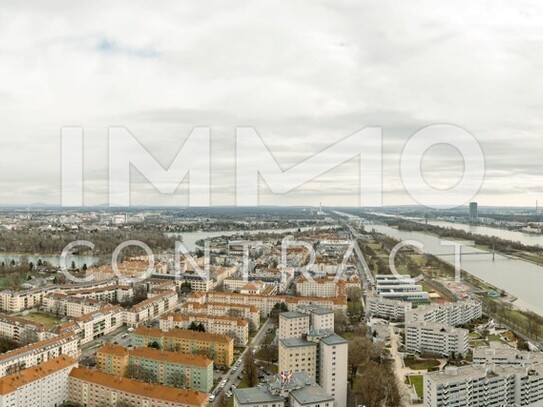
{"type": "Point", "coordinates": [304, 74]}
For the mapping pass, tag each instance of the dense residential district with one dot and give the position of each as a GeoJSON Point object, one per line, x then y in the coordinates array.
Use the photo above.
{"type": "Point", "coordinates": [311, 315]}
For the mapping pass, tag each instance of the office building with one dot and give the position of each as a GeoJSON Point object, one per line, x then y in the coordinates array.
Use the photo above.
{"type": "Point", "coordinates": [473, 211]}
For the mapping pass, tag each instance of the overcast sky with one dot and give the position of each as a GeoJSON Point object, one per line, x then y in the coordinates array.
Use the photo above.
{"type": "Point", "coordinates": [304, 74]}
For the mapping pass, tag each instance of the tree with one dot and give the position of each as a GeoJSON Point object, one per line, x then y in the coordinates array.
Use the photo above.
{"type": "Point", "coordinates": [186, 287]}
{"type": "Point", "coordinates": [377, 387]}
{"type": "Point", "coordinates": [153, 344]}
{"type": "Point", "coordinates": [340, 321]}
{"type": "Point", "coordinates": [222, 401]}
{"type": "Point", "coordinates": [134, 371]}
{"type": "Point", "coordinates": [177, 379]}
{"type": "Point", "coordinates": [276, 310]}
{"type": "Point", "coordinates": [270, 353]}
{"type": "Point", "coordinates": [73, 265]}
{"type": "Point", "coordinates": [361, 351]}
{"type": "Point", "coordinates": [251, 371]}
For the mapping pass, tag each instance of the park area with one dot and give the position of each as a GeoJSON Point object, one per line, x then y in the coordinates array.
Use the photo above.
{"type": "Point", "coordinates": [417, 382]}
{"type": "Point", "coordinates": [49, 320]}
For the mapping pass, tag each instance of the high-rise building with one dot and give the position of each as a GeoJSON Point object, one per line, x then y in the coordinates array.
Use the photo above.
{"type": "Point", "coordinates": [307, 343]}
{"type": "Point", "coordinates": [473, 211]}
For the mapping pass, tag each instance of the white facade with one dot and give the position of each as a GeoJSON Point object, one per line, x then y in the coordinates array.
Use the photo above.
{"type": "Point", "coordinates": [484, 386]}
{"type": "Point", "coordinates": [425, 337]}
{"type": "Point", "coordinates": [387, 308]}
{"type": "Point", "coordinates": [298, 355]}
{"type": "Point", "coordinates": [151, 308]}
{"type": "Point", "coordinates": [236, 328]}
{"type": "Point", "coordinates": [99, 323]}
{"type": "Point", "coordinates": [450, 314]}
{"type": "Point", "coordinates": [504, 355]}
{"type": "Point", "coordinates": [293, 324]}
{"type": "Point", "coordinates": [41, 386]}
{"type": "Point", "coordinates": [36, 353]}
{"type": "Point", "coordinates": [332, 375]}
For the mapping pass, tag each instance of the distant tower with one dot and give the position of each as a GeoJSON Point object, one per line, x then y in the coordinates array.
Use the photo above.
{"type": "Point", "coordinates": [473, 215]}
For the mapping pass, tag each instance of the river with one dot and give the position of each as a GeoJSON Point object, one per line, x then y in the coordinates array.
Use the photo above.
{"type": "Point", "coordinates": [528, 239]}
{"type": "Point", "coordinates": [522, 279]}
{"type": "Point", "coordinates": [189, 239]}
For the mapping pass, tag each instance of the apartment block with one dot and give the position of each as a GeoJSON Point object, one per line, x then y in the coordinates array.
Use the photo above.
{"type": "Point", "coordinates": [71, 306]}
{"type": "Point", "coordinates": [237, 328]}
{"type": "Point", "coordinates": [45, 385]}
{"type": "Point", "coordinates": [109, 293]}
{"type": "Point", "coordinates": [99, 323]}
{"type": "Point", "coordinates": [219, 348]}
{"type": "Point", "coordinates": [426, 337]}
{"type": "Point", "coordinates": [39, 352]}
{"type": "Point", "coordinates": [317, 287]}
{"type": "Point", "coordinates": [386, 308]}
{"type": "Point", "coordinates": [22, 330]}
{"type": "Point", "coordinates": [248, 312]}
{"type": "Point", "coordinates": [485, 386]}
{"type": "Point", "coordinates": [504, 355]}
{"type": "Point", "coordinates": [299, 390]}
{"type": "Point", "coordinates": [332, 367]}
{"type": "Point", "coordinates": [151, 308]}
{"type": "Point", "coordinates": [92, 388]}
{"type": "Point", "coordinates": [17, 301]}
{"type": "Point", "coordinates": [450, 314]}
{"type": "Point", "coordinates": [293, 324]}
{"type": "Point", "coordinates": [170, 368]}
{"type": "Point", "coordinates": [298, 355]}
{"type": "Point", "coordinates": [265, 303]}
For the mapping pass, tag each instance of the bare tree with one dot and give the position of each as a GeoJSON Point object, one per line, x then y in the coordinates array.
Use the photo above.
{"type": "Point", "coordinates": [251, 371]}
{"type": "Point", "coordinates": [222, 401]}
{"type": "Point", "coordinates": [340, 321]}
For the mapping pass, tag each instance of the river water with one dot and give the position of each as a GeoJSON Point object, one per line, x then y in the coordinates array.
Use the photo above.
{"type": "Point", "coordinates": [529, 239]}
{"type": "Point", "coordinates": [189, 239]}
{"type": "Point", "coordinates": [522, 279]}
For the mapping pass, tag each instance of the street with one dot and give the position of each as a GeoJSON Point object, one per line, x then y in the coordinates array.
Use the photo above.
{"type": "Point", "coordinates": [233, 376]}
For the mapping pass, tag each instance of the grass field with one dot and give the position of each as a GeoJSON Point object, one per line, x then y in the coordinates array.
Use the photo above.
{"type": "Point", "coordinates": [50, 321]}
{"type": "Point", "coordinates": [417, 381]}
{"type": "Point", "coordinates": [422, 364]}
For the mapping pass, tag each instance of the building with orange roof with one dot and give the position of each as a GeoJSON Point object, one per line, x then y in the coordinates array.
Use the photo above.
{"type": "Point", "coordinates": [219, 348]}
{"type": "Point", "coordinates": [151, 307]}
{"type": "Point", "coordinates": [236, 327]}
{"type": "Point", "coordinates": [72, 306]}
{"type": "Point", "coordinates": [93, 388]}
{"type": "Point", "coordinates": [44, 385]}
{"type": "Point", "coordinates": [39, 352]}
{"type": "Point", "coordinates": [96, 324]}
{"type": "Point", "coordinates": [170, 368]}
{"type": "Point", "coordinates": [266, 303]}
{"type": "Point", "coordinates": [221, 309]}
{"type": "Point", "coordinates": [22, 329]}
